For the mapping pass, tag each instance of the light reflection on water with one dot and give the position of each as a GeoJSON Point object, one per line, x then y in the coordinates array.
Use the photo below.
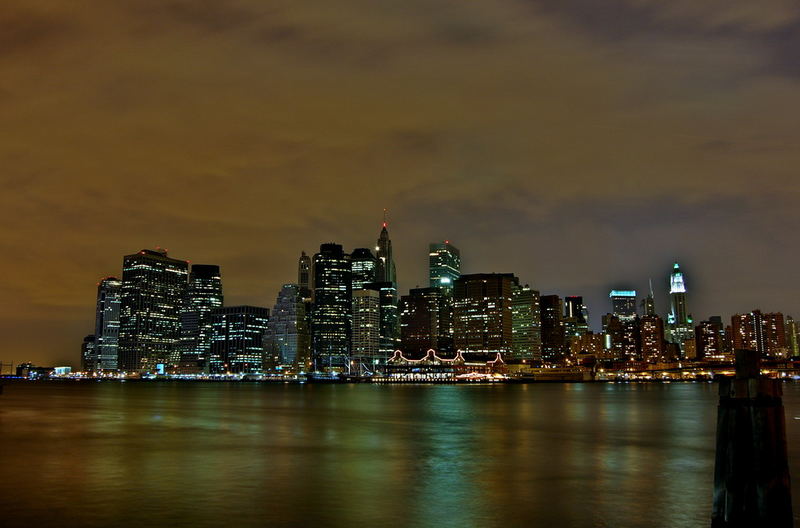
{"type": "Point", "coordinates": [203, 454]}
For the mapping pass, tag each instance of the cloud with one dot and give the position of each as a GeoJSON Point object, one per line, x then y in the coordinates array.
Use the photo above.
{"type": "Point", "coordinates": [574, 143]}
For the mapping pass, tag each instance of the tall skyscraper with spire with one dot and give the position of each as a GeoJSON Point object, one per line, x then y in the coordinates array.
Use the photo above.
{"type": "Point", "coordinates": [386, 270]}
{"type": "Point", "coordinates": [679, 321]}
{"type": "Point", "coordinates": [304, 274]}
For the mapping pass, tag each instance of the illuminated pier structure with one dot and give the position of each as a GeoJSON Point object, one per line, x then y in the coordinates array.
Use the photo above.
{"type": "Point", "coordinates": [432, 368]}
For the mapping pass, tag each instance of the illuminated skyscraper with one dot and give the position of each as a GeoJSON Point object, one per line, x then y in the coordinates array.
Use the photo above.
{"type": "Point", "coordinates": [651, 329]}
{"type": "Point", "coordinates": [679, 322]}
{"type": "Point", "coordinates": [153, 292]}
{"type": "Point", "coordinates": [526, 324]}
{"type": "Point", "coordinates": [365, 354]}
{"type": "Point", "coordinates": [385, 271]}
{"type": "Point", "coordinates": [331, 316]}
{"type": "Point", "coordinates": [106, 329]}
{"type": "Point", "coordinates": [623, 303]}
{"type": "Point", "coordinates": [288, 340]}
{"type": "Point", "coordinates": [444, 265]}
{"type": "Point", "coordinates": [203, 295]}
{"type": "Point", "coordinates": [363, 266]}
{"type": "Point", "coordinates": [482, 315]}
{"type": "Point", "coordinates": [237, 339]}
{"type": "Point", "coordinates": [426, 321]}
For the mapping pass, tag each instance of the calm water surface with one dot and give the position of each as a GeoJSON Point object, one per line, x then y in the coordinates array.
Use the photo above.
{"type": "Point", "coordinates": [204, 454]}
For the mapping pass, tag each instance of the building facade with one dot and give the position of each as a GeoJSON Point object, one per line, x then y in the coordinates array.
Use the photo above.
{"type": "Point", "coordinates": [365, 354]}
{"type": "Point", "coordinates": [237, 339]}
{"type": "Point", "coordinates": [331, 313]}
{"type": "Point", "coordinates": [444, 265]}
{"type": "Point", "coordinates": [482, 313]}
{"type": "Point", "coordinates": [288, 339]}
{"type": "Point", "coordinates": [106, 328]}
{"type": "Point", "coordinates": [152, 295]}
{"type": "Point", "coordinates": [203, 295]}
{"type": "Point", "coordinates": [526, 324]}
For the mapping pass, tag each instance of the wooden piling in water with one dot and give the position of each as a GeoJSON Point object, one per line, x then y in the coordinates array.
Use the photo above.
{"type": "Point", "coordinates": [751, 474]}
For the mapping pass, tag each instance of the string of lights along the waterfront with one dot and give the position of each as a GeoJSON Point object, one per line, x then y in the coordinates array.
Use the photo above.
{"type": "Point", "coordinates": [344, 319]}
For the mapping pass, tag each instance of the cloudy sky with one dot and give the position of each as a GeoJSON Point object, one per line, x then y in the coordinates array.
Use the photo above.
{"type": "Point", "coordinates": [581, 144]}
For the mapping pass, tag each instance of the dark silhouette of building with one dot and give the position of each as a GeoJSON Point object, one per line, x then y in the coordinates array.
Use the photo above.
{"type": "Point", "coordinates": [426, 322]}
{"type": "Point", "coordinates": [651, 328]}
{"type": "Point", "coordinates": [304, 275]}
{"type": "Point", "coordinates": [554, 342]}
{"type": "Point", "coordinates": [709, 339]}
{"type": "Point", "coordinates": [386, 271]}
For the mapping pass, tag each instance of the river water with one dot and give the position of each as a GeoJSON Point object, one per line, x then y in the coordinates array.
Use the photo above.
{"type": "Point", "coordinates": [248, 454]}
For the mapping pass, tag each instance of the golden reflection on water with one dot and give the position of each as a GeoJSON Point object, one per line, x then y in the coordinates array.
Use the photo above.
{"type": "Point", "coordinates": [205, 454]}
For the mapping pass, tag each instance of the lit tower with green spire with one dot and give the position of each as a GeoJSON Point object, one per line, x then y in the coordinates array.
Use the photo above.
{"type": "Point", "coordinates": [679, 320]}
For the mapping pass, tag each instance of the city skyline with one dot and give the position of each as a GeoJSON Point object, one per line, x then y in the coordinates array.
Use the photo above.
{"type": "Point", "coordinates": [581, 147]}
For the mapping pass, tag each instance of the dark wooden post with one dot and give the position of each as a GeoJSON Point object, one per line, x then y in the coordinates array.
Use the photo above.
{"type": "Point", "coordinates": [751, 477]}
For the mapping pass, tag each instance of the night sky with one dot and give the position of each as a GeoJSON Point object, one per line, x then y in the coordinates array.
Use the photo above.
{"type": "Point", "coordinates": [580, 144]}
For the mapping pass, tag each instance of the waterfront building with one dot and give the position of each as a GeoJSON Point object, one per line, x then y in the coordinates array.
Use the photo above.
{"type": "Point", "coordinates": [152, 296]}
{"type": "Point", "coordinates": [554, 341]}
{"type": "Point", "coordinates": [363, 268]}
{"type": "Point", "coordinates": [587, 346]}
{"type": "Point", "coordinates": [365, 352]}
{"type": "Point", "coordinates": [526, 324]}
{"type": "Point", "coordinates": [444, 265]}
{"type": "Point", "coordinates": [89, 362]}
{"type": "Point", "coordinates": [759, 331]}
{"type": "Point", "coordinates": [106, 328]}
{"type": "Point", "coordinates": [426, 322]}
{"type": "Point", "coordinates": [623, 303]}
{"type": "Point", "coordinates": [386, 271]}
{"type": "Point", "coordinates": [651, 329]}
{"type": "Point", "coordinates": [792, 342]}
{"type": "Point", "coordinates": [709, 340]}
{"type": "Point", "coordinates": [204, 294]}
{"type": "Point", "coordinates": [482, 315]}
{"type": "Point", "coordinates": [237, 339]}
{"type": "Point", "coordinates": [287, 339]}
{"type": "Point", "coordinates": [331, 315]}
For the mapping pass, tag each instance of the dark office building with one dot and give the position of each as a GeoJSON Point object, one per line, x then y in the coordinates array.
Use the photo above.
{"type": "Point", "coordinates": [237, 339]}
{"type": "Point", "coordinates": [651, 328]}
{"type": "Point", "coordinates": [385, 271]}
{"type": "Point", "coordinates": [153, 292]}
{"type": "Point", "coordinates": [444, 265]}
{"type": "Point", "coordinates": [554, 342]}
{"type": "Point", "coordinates": [709, 337]}
{"type": "Point", "coordinates": [106, 329]}
{"type": "Point", "coordinates": [304, 275]}
{"type": "Point", "coordinates": [204, 295]}
{"type": "Point", "coordinates": [482, 315]}
{"type": "Point", "coordinates": [389, 316]}
{"type": "Point", "coordinates": [425, 323]}
{"type": "Point", "coordinates": [363, 266]}
{"type": "Point", "coordinates": [89, 354]}
{"type": "Point", "coordinates": [332, 308]}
